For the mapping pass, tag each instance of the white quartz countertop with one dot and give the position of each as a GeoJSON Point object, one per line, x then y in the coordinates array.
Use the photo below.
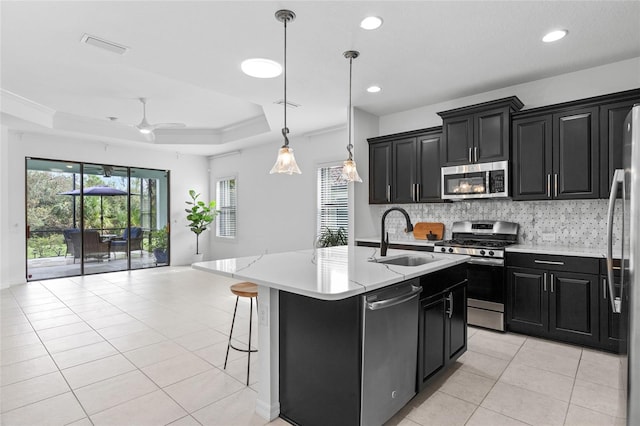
{"type": "Point", "coordinates": [562, 250]}
{"type": "Point", "coordinates": [411, 242]}
{"type": "Point", "coordinates": [332, 273]}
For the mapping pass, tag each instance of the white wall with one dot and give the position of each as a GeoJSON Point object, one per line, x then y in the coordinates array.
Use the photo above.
{"type": "Point", "coordinates": [275, 212]}
{"type": "Point", "coordinates": [187, 172]}
{"type": "Point", "coordinates": [366, 126]}
{"type": "Point", "coordinates": [615, 77]}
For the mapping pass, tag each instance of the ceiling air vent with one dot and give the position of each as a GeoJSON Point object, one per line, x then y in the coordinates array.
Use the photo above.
{"type": "Point", "coordinates": [289, 103]}
{"type": "Point", "coordinates": [104, 44]}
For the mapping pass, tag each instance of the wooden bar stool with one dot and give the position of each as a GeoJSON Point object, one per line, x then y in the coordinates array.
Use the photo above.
{"type": "Point", "coordinates": [250, 290]}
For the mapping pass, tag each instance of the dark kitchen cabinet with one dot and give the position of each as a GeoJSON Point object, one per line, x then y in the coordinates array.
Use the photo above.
{"type": "Point", "coordinates": [380, 155]}
{"type": "Point", "coordinates": [556, 156]}
{"type": "Point", "coordinates": [612, 116]}
{"type": "Point", "coordinates": [547, 298]}
{"type": "Point", "coordinates": [576, 154]}
{"type": "Point", "coordinates": [613, 326]}
{"type": "Point", "coordinates": [478, 133]}
{"type": "Point", "coordinates": [569, 150]}
{"type": "Point", "coordinates": [532, 158]}
{"type": "Point", "coordinates": [405, 168]}
{"type": "Point", "coordinates": [443, 323]}
{"type": "Point", "coordinates": [527, 302]}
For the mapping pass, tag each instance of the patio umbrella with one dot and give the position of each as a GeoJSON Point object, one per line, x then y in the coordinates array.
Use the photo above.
{"type": "Point", "coordinates": [102, 191]}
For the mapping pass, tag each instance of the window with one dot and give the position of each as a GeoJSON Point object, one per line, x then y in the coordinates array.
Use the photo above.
{"type": "Point", "coordinates": [333, 203]}
{"type": "Point", "coordinates": [226, 203]}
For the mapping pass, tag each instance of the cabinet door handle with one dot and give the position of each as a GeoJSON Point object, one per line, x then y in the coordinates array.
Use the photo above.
{"type": "Point", "coordinates": [555, 184]}
{"type": "Point", "coordinates": [552, 280]}
{"type": "Point", "coordinates": [604, 288]}
{"type": "Point", "coordinates": [450, 300]}
{"type": "Point", "coordinates": [417, 192]}
{"type": "Point", "coordinates": [475, 154]}
{"type": "Point", "coordinates": [544, 282]}
{"type": "Point", "coordinates": [549, 185]}
{"type": "Point", "coordinates": [388, 193]}
{"type": "Point", "coordinates": [549, 262]}
{"type": "Point", "coordinates": [470, 157]}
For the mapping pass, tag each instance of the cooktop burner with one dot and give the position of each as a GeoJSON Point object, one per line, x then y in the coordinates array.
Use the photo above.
{"type": "Point", "coordinates": [485, 239]}
{"type": "Point", "coordinates": [474, 243]}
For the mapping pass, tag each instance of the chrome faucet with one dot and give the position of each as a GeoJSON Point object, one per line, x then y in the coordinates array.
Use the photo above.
{"type": "Point", "coordinates": [384, 241]}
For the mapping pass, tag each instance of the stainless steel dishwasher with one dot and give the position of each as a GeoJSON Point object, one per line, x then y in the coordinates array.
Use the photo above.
{"type": "Point", "coordinates": [389, 351]}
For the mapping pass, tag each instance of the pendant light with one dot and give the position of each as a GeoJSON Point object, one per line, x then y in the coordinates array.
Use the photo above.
{"type": "Point", "coordinates": [286, 162]}
{"type": "Point", "coordinates": [349, 171]}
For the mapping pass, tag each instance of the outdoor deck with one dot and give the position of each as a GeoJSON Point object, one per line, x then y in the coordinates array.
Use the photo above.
{"type": "Point", "coordinates": [61, 266]}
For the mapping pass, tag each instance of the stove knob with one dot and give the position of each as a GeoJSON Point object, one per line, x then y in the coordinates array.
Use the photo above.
{"type": "Point", "coordinates": [481, 252]}
{"type": "Point", "coordinates": [450, 250]}
{"type": "Point", "coordinates": [491, 253]}
{"type": "Point", "coordinates": [443, 249]}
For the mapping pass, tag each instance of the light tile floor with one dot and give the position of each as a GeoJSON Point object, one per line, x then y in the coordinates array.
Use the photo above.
{"type": "Point", "coordinates": [147, 348]}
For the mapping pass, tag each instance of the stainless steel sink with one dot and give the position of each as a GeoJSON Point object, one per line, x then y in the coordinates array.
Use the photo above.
{"type": "Point", "coordinates": [408, 260]}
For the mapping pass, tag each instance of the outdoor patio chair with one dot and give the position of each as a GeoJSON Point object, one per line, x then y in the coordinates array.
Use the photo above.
{"type": "Point", "coordinates": [133, 235]}
{"type": "Point", "coordinates": [93, 245]}
{"type": "Point", "coordinates": [66, 233]}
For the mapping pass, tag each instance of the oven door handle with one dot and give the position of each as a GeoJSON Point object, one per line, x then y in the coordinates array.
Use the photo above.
{"type": "Point", "coordinates": [490, 261]}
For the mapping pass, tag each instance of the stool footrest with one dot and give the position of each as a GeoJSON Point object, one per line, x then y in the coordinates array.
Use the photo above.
{"type": "Point", "coordinates": [242, 350]}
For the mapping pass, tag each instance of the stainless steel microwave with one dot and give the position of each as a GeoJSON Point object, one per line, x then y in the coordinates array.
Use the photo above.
{"type": "Point", "coordinates": [484, 180]}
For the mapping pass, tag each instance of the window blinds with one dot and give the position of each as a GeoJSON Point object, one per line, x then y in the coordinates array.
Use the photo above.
{"type": "Point", "coordinates": [333, 203]}
{"type": "Point", "coordinates": [226, 203]}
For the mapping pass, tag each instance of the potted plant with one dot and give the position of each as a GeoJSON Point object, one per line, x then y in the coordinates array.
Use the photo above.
{"type": "Point", "coordinates": [200, 215]}
{"type": "Point", "coordinates": [159, 243]}
{"type": "Point", "coordinates": [330, 238]}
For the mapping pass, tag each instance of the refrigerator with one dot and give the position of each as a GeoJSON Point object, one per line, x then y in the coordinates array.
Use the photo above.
{"type": "Point", "coordinates": [624, 206]}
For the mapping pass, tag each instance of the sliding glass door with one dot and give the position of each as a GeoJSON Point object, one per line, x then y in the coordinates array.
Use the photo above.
{"type": "Point", "coordinates": [85, 218]}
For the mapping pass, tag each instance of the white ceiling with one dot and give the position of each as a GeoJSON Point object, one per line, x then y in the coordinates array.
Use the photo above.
{"type": "Point", "coordinates": [185, 58]}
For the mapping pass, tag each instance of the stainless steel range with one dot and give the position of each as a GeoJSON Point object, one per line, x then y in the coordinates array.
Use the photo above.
{"type": "Point", "coordinates": [484, 241]}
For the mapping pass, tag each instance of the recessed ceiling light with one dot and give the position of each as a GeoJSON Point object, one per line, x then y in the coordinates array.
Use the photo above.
{"type": "Point", "coordinates": [554, 36]}
{"type": "Point", "coordinates": [261, 68]}
{"type": "Point", "coordinates": [373, 89]}
{"type": "Point", "coordinates": [371, 23]}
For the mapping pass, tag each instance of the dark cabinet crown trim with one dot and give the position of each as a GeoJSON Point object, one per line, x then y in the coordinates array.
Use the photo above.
{"type": "Point", "coordinates": [402, 135]}
{"type": "Point", "coordinates": [579, 103]}
{"type": "Point", "coordinates": [512, 102]}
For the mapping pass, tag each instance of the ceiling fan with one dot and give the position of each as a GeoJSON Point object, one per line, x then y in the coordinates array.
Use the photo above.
{"type": "Point", "coordinates": [147, 128]}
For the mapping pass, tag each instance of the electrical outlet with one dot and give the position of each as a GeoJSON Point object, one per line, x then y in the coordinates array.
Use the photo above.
{"type": "Point", "coordinates": [549, 237]}
{"type": "Point", "coordinates": [263, 315]}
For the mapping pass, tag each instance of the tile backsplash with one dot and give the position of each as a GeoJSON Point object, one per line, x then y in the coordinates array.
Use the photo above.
{"type": "Point", "coordinates": [579, 223]}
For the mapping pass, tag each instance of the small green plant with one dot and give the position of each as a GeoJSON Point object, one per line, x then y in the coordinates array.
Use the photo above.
{"type": "Point", "coordinates": [330, 238]}
{"type": "Point", "coordinates": [160, 239]}
{"type": "Point", "coordinates": [200, 215]}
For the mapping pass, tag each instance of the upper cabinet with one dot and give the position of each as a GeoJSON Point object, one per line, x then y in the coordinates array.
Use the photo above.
{"type": "Point", "coordinates": [612, 115]}
{"type": "Point", "coordinates": [555, 156]}
{"type": "Point", "coordinates": [478, 133]}
{"type": "Point", "coordinates": [569, 151]}
{"type": "Point", "coordinates": [380, 172]}
{"type": "Point", "coordinates": [405, 167]}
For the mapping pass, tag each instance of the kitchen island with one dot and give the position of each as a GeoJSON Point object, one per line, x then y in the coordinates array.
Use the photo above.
{"type": "Point", "coordinates": [329, 274]}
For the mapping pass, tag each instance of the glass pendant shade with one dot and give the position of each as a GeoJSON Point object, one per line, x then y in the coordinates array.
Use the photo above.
{"type": "Point", "coordinates": [286, 162]}
{"type": "Point", "coordinates": [349, 172]}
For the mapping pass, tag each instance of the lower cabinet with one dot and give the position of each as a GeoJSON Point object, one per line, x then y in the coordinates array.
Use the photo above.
{"type": "Point", "coordinates": [442, 330]}
{"type": "Point", "coordinates": [552, 300]}
{"type": "Point", "coordinates": [613, 326]}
